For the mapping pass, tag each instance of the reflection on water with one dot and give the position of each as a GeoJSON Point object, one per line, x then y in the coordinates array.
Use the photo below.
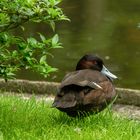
{"type": "Point", "coordinates": [109, 29]}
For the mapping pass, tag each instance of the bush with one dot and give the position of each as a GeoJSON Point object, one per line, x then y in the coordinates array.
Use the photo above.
{"type": "Point", "coordinates": [17, 52]}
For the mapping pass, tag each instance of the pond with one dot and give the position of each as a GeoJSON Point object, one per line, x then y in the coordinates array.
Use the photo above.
{"type": "Point", "coordinates": [110, 29]}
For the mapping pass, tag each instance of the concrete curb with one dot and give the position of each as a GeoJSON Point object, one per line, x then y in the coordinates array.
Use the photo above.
{"type": "Point", "coordinates": [26, 86]}
{"type": "Point", "coordinates": [128, 96]}
{"type": "Point", "coordinates": [125, 96]}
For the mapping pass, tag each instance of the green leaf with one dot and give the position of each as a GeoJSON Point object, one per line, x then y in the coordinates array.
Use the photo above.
{"type": "Point", "coordinates": [57, 47]}
{"type": "Point", "coordinates": [29, 59]}
{"type": "Point", "coordinates": [32, 41]}
{"type": "Point", "coordinates": [52, 24]}
{"type": "Point", "coordinates": [43, 59]}
{"type": "Point", "coordinates": [15, 53]}
{"type": "Point", "coordinates": [42, 37]}
{"type": "Point", "coordinates": [53, 70]}
{"type": "Point", "coordinates": [23, 29]}
{"type": "Point", "coordinates": [55, 39]}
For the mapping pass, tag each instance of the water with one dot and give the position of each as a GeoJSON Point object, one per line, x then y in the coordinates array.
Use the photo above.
{"type": "Point", "coordinates": [110, 29]}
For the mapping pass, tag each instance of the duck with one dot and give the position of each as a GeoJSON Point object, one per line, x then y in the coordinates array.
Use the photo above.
{"type": "Point", "coordinates": [87, 90]}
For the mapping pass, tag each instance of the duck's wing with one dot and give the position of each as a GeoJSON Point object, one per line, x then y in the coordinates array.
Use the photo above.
{"type": "Point", "coordinates": [83, 78]}
{"type": "Point", "coordinates": [100, 97]}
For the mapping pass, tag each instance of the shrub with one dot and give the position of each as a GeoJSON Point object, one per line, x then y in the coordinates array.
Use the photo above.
{"type": "Point", "coordinates": [17, 52]}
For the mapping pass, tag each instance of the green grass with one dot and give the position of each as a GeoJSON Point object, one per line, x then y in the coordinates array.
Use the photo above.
{"type": "Point", "coordinates": [35, 120]}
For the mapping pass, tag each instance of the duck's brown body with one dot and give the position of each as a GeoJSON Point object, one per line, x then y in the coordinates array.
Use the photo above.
{"type": "Point", "coordinates": [84, 91]}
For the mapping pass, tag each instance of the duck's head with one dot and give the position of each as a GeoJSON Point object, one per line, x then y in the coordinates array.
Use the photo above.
{"type": "Point", "coordinates": [95, 63]}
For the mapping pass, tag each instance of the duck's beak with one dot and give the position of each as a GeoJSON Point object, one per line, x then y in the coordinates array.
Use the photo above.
{"type": "Point", "coordinates": [106, 72]}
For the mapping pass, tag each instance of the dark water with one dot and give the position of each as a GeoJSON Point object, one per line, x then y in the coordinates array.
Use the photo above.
{"type": "Point", "coordinates": [110, 29]}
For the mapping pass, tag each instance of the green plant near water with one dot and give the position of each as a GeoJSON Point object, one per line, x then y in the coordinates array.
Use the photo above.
{"type": "Point", "coordinates": [17, 52]}
{"type": "Point", "coordinates": [36, 120]}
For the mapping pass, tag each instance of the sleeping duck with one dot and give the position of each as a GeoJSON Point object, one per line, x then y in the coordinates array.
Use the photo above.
{"type": "Point", "coordinates": [86, 90]}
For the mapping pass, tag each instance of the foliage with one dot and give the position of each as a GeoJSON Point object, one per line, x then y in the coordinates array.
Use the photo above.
{"type": "Point", "coordinates": [35, 120]}
{"type": "Point", "coordinates": [17, 52]}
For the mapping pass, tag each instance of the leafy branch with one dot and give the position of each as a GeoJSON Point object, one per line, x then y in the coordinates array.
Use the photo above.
{"type": "Point", "coordinates": [17, 52]}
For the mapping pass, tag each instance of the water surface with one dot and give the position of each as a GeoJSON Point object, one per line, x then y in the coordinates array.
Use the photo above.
{"type": "Point", "coordinates": [110, 29]}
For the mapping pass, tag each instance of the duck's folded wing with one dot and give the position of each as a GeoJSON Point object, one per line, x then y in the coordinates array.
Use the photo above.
{"type": "Point", "coordinates": [83, 78]}
{"type": "Point", "coordinates": [100, 97]}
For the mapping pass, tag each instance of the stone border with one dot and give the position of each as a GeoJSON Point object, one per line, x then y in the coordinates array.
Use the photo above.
{"type": "Point", "coordinates": [125, 96]}
{"type": "Point", "coordinates": [26, 86]}
{"type": "Point", "coordinates": [128, 96]}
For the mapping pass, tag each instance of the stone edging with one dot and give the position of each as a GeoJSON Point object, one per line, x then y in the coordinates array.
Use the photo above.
{"type": "Point", "coordinates": [125, 96]}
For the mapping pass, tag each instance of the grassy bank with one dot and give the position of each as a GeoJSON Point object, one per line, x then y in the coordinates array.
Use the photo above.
{"type": "Point", "coordinates": [35, 120]}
